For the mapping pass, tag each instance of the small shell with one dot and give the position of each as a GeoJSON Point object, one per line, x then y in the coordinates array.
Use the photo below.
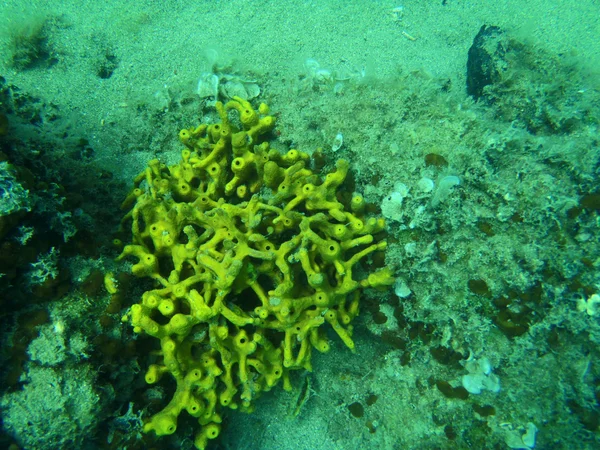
{"type": "Point", "coordinates": [323, 76]}
{"type": "Point", "coordinates": [208, 85]}
{"type": "Point", "coordinates": [237, 88]}
{"type": "Point", "coordinates": [252, 89]}
{"type": "Point", "coordinates": [401, 289]}
{"type": "Point", "coordinates": [401, 189]}
{"type": "Point", "coordinates": [232, 89]}
{"type": "Point", "coordinates": [311, 65]}
{"type": "Point", "coordinates": [337, 142]}
{"type": "Point", "coordinates": [426, 185]}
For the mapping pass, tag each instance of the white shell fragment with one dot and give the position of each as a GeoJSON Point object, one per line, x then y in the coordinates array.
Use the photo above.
{"type": "Point", "coordinates": [529, 436]}
{"type": "Point", "coordinates": [444, 189]}
{"type": "Point", "coordinates": [516, 439]}
{"type": "Point", "coordinates": [229, 86]}
{"type": "Point", "coordinates": [208, 85]}
{"type": "Point", "coordinates": [480, 377]}
{"type": "Point", "coordinates": [311, 65]}
{"type": "Point", "coordinates": [252, 89]}
{"type": "Point", "coordinates": [235, 87]}
{"type": "Point", "coordinates": [337, 142]}
{"type": "Point", "coordinates": [401, 289]}
{"type": "Point", "coordinates": [426, 185]}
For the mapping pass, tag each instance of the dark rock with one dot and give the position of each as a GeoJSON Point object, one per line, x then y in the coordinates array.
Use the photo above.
{"type": "Point", "coordinates": [486, 60]}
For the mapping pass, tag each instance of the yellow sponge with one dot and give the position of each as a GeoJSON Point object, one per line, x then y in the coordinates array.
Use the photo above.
{"type": "Point", "coordinates": [251, 255]}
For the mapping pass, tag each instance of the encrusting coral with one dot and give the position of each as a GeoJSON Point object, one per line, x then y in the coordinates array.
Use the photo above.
{"type": "Point", "coordinates": [251, 252]}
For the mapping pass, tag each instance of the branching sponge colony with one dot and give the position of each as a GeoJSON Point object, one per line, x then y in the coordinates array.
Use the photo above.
{"type": "Point", "coordinates": [251, 253]}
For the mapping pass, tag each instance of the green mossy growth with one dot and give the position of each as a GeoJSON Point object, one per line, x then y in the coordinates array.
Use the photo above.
{"type": "Point", "coordinates": [433, 159]}
{"type": "Point", "coordinates": [590, 201]}
{"type": "Point", "coordinates": [484, 410]}
{"type": "Point", "coordinates": [356, 409]}
{"type": "Point", "coordinates": [479, 287]}
{"type": "Point", "coordinates": [30, 44]}
{"type": "Point", "coordinates": [107, 64]}
{"type": "Point", "coordinates": [446, 388]}
{"type": "Point", "coordinates": [446, 356]}
{"type": "Point", "coordinates": [450, 432]}
{"type": "Point", "coordinates": [371, 399]}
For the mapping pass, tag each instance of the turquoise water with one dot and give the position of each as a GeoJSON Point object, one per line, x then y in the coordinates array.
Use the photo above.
{"type": "Point", "coordinates": [470, 127]}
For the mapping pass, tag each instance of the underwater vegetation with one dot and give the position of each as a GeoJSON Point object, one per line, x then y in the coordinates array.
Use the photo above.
{"type": "Point", "coordinates": [246, 280]}
{"type": "Point", "coordinates": [473, 215]}
{"type": "Point", "coordinates": [30, 42]}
